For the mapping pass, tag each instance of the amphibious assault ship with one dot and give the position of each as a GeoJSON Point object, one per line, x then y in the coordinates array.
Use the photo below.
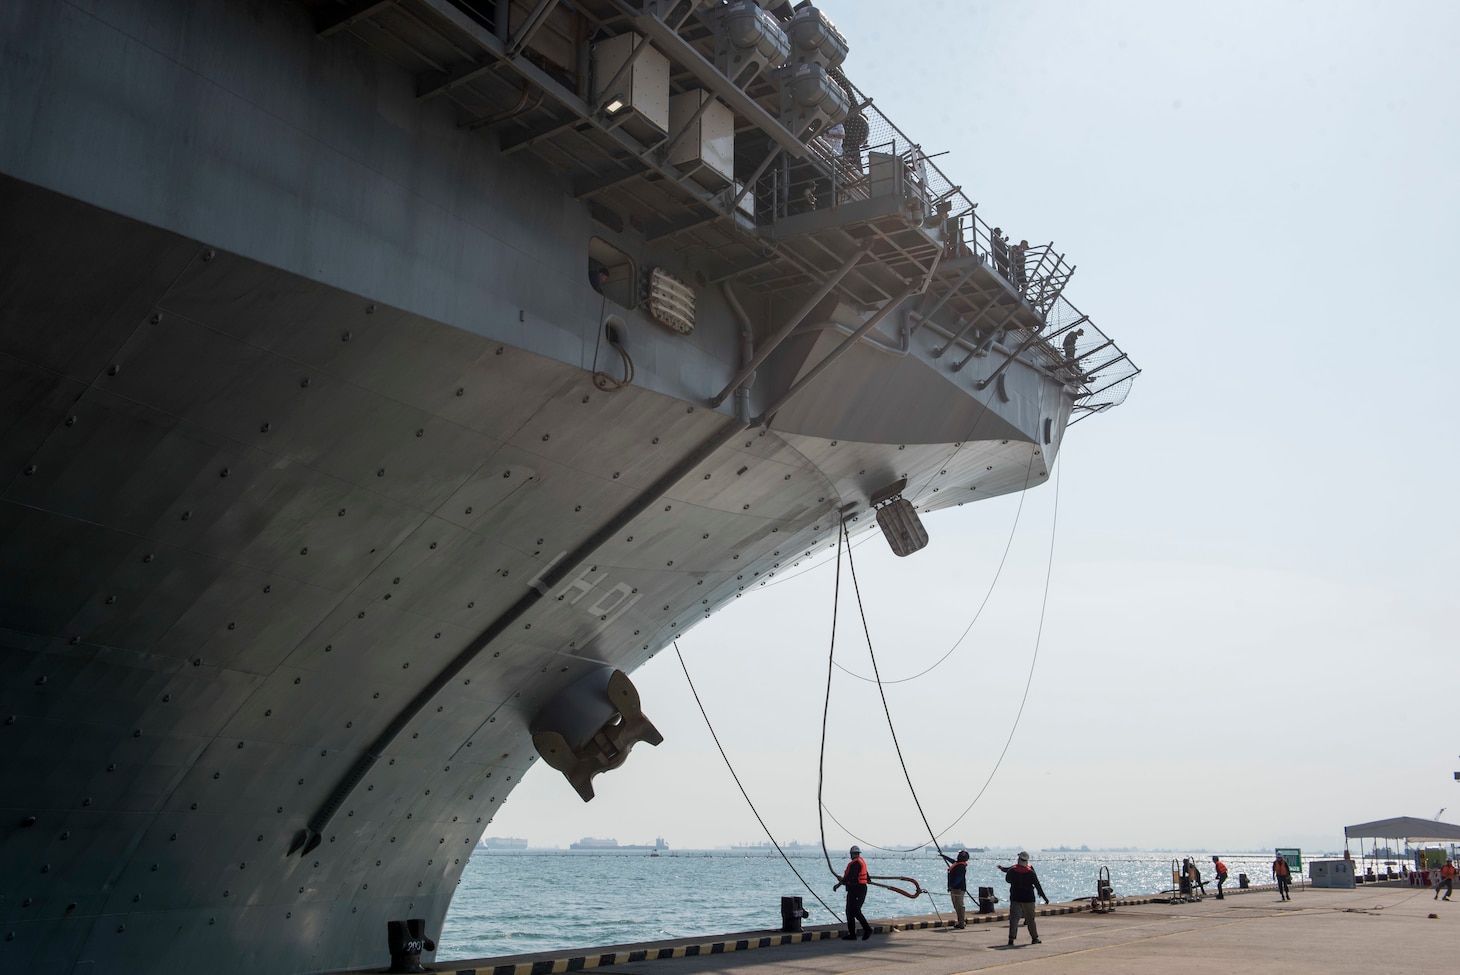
{"type": "Point", "coordinates": [381, 382]}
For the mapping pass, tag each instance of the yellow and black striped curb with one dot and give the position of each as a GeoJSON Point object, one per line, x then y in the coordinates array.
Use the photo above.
{"type": "Point", "coordinates": [635, 954]}
{"type": "Point", "coordinates": [623, 956]}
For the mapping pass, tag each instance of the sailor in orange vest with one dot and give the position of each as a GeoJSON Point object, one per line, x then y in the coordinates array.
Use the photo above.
{"type": "Point", "coordinates": [854, 878]}
{"type": "Point", "coordinates": [1283, 875]}
{"type": "Point", "coordinates": [1221, 869]}
{"type": "Point", "coordinates": [958, 884]}
{"type": "Point", "coordinates": [1447, 880]}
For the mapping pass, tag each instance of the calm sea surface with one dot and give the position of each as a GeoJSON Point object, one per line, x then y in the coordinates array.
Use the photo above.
{"type": "Point", "coordinates": [514, 902]}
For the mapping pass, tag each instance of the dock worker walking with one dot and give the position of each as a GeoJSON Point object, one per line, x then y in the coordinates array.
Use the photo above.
{"type": "Point", "coordinates": [1023, 882]}
{"type": "Point", "coordinates": [1283, 876]}
{"type": "Point", "coordinates": [1447, 881]}
{"type": "Point", "coordinates": [958, 884]}
{"type": "Point", "coordinates": [854, 878]}
{"type": "Point", "coordinates": [1221, 869]}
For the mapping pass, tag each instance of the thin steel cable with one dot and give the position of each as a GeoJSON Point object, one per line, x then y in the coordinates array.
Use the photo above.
{"type": "Point", "coordinates": [1029, 681]}
{"type": "Point", "coordinates": [869, 843]}
{"type": "Point", "coordinates": [598, 343]}
{"type": "Point", "coordinates": [988, 594]}
{"type": "Point", "coordinates": [1048, 572]}
{"type": "Point", "coordinates": [741, 787]}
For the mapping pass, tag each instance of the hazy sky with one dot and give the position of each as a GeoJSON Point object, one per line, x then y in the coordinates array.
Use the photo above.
{"type": "Point", "coordinates": [1248, 640]}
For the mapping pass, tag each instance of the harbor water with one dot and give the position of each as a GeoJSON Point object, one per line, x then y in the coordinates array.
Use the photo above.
{"type": "Point", "coordinates": [517, 902]}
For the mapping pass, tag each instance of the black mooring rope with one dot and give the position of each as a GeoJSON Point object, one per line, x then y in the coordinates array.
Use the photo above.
{"type": "Point", "coordinates": [821, 770]}
{"type": "Point", "coordinates": [836, 594]}
{"type": "Point", "coordinates": [988, 594]}
{"type": "Point", "coordinates": [1028, 684]}
{"type": "Point", "coordinates": [886, 709]}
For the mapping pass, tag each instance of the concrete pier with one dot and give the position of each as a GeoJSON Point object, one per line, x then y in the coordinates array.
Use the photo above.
{"type": "Point", "coordinates": [1376, 928]}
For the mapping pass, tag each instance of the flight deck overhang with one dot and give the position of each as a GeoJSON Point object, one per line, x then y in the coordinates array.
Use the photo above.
{"type": "Point", "coordinates": [817, 172]}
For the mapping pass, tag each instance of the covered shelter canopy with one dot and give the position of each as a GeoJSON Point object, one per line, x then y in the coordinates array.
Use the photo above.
{"type": "Point", "coordinates": [1411, 829]}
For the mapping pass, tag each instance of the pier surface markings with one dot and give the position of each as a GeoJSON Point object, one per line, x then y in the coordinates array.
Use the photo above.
{"type": "Point", "coordinates": [1376, 928]}
{"type": "Point", "coordinates": [1320, 931]}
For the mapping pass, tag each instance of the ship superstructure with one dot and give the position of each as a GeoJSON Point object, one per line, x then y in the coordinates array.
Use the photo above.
{"type": "Point", "coordinates": [381, 382]}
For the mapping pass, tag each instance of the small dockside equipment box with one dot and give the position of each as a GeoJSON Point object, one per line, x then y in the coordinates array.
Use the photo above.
{"type": "Point", "coordinates": [1331, 873]}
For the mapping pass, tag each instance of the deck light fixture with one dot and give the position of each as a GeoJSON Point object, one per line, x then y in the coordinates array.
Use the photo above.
{"type": "Point", "coordinates": [614, 105]}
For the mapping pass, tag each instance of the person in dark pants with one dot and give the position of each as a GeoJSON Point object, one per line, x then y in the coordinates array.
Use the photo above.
{"type": "Point", "coordinates": [1016, 261]}
{"type": "Point", "coordinates": [1023, 882]}
{"type": "Point", "coordinates": [1198, 886]}
{"type": "Point", "coordinates": [1221, 869]}
{"type": "Point", "coordinates": [854, 878]}
{"type": "Point", "coordinates": [1447, 880]}
{"type": "Point", "coordinates": [999, 245]}
{"type": "Point", "coordinates": [958, 884]}
{"type": "Point", "coordinates": [1283, 876]}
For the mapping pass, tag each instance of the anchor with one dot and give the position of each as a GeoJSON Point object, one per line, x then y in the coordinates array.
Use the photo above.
{"type": "Point", "coordinates": [590, 727]}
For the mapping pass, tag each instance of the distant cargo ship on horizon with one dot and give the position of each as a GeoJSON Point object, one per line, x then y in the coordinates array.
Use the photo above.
{"type": "Point", "coordinates": [592, 843]}
{"type": "Point", "coordinates": [504, 843]}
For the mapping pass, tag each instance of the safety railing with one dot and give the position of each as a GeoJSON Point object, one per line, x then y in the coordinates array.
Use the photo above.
{"type": "Point", "coordinates": [838, 173]}
{"type": "Point", "coordinates": [1066, 344]}
{"type": "Point", "coordinates": [867, 157]}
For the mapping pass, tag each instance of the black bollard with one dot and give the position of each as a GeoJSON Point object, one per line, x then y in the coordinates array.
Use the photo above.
{"type": "Point", "coordinates": [791, 914]}
{"type": "Point", "coordinates": [1242, 881]}
{"type": "Point", "coordinates": [407, 939]}
{"type": "Point", "coordinates": [986, 900]}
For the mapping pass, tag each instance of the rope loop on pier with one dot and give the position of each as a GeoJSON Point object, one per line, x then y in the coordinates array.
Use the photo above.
{"type": "Point", "coordinates": [913, 894]}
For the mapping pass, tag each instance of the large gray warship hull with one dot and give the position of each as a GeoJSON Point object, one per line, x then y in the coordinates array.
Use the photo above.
{"type": "Point", "coordinates": [328, 475]}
